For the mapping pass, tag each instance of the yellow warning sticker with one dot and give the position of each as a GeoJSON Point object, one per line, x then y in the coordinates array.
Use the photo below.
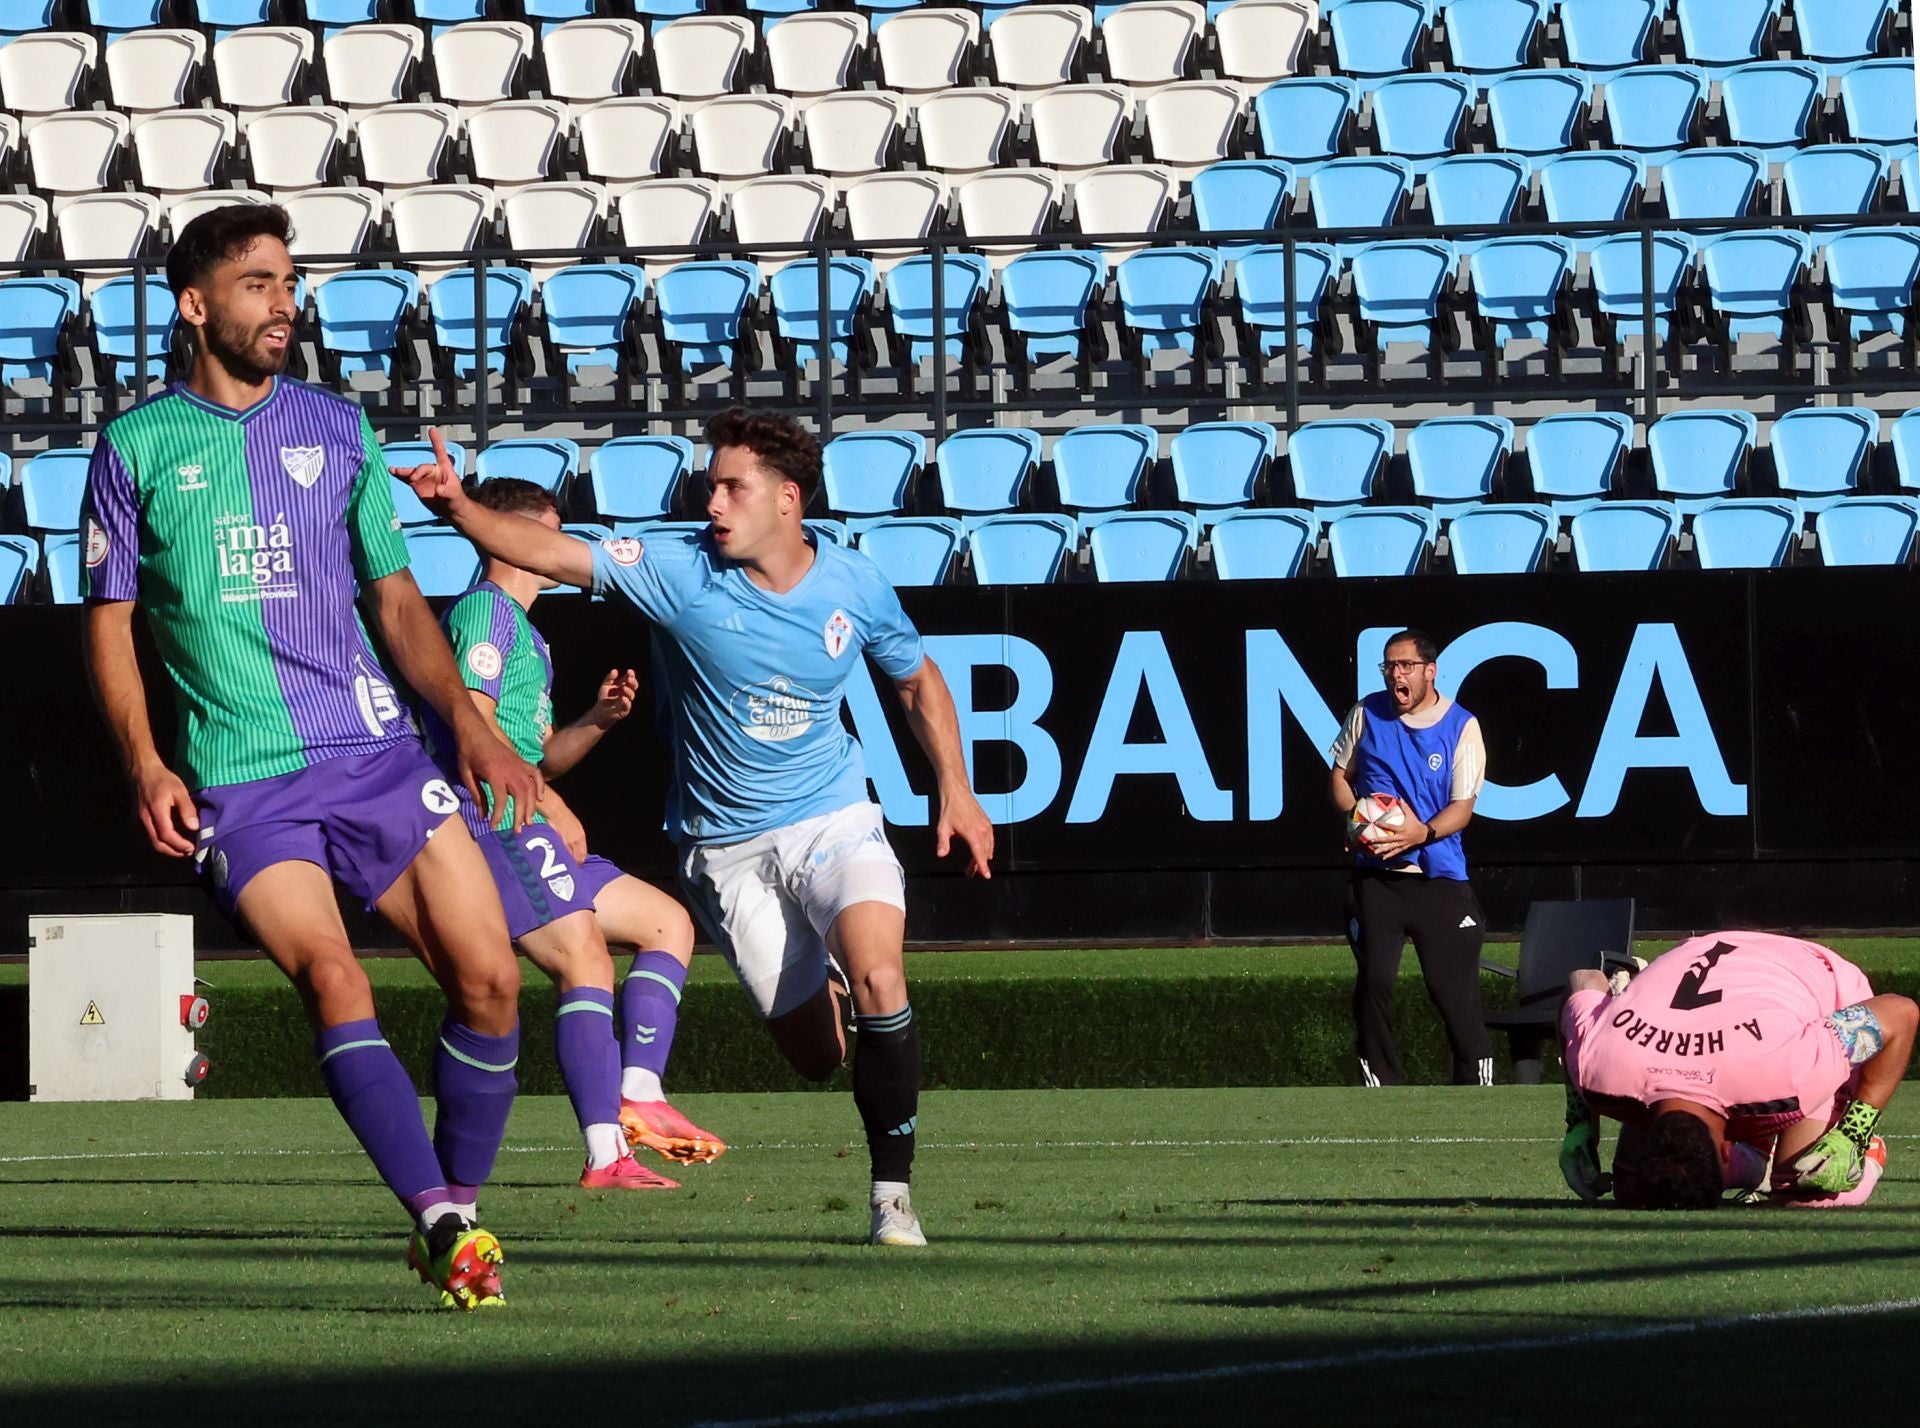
{"type": "Point", "coordinates": [93, 1017]}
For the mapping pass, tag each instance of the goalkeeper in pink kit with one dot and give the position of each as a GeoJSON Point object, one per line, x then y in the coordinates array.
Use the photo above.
{"type": "Point", "coordinates": [1732, 1049]}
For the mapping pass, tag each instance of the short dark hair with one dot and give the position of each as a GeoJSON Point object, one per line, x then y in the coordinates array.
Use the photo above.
{"type": "Point", "coordinates": [1674, 1165]}
{"type": "Point", "coordinates": [1421, 641]}
{"type": "Point", "coordinates": [514, 496]}
{"type": "Point", "coordinates": [784, 446]}
{"type": "Point", "coordinates": [220, 234]}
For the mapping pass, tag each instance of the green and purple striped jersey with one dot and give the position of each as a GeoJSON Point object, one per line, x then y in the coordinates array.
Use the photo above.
{"type": "Point", "coordinates": [243, 534]}
{"type": "Point", "coordinates": [502, 656]}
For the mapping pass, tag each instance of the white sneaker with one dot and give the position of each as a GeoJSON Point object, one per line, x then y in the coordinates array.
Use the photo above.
{"type": "Point", "coordinates": [894, 1223]}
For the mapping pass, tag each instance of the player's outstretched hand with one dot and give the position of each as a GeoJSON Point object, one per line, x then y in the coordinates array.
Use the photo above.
{"type": "Point", "coordinates": [617, 693]}
{"type": "Point", "coordinates": [962, 817]}
{"type": "Point", "coordinates": [435, 482]}
{"type": "Point", "coordinates": [166, 812]}
{"type": "Point", "coordinates": [488, 762]}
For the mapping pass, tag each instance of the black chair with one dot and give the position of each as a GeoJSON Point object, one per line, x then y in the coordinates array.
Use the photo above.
{"type": "Point", "coordinates": [1558, 939]}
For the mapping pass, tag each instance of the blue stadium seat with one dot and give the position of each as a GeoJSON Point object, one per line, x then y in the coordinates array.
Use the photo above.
{"type": "Point", "coordinates": [51, 485]}
{"type": "Point", "coordinates": [550, 13]}
{"type": "Point", "coordinates": [590, 310]}
{"type": "Point", "coordinates": [1381, 540]}
{"type": "Point", "coordinates": [1542, 111]}
{"type": "Point", "coordinates": [1420, 116]}
{"type": "Point", "coordinates": [549, 462]}
{"type": "Point", "coordinates": [362, 314]}
{"type": "Point", "coordinates": [1870, 276]}
{"type": "Point", "coordinates": [1458, 461]}
{"type": "Point", "coordinates": [1840, 30]}
{"type": "Point", "coordinates": [1878, 101]}
{"type": "Point", "coordinates": [1218, 465]}
{"type": "Point", "coordinates": [1624, 535]}
{"type": "Point", "coordinates": [1487, 36]}
{"type": "Point", "coordinates": [702, 305]}
{"type": "Point", "coordinates": [444, 561]}
{"type": "Point", "coordinates": [36, 318]}
{"type": "Point", "coordinates": [1307, 119]}
{"type": "Point", "coordinates": [1166, 300]}
{"type": "Point", "coordinates": [439, 14]}
{"type": "Point", "coordinates": [334, 16]}
{"type": "Point", "coordinates": [1821, 454]}
{"type": "Point", "coordinates": [62, 561]}
{"type": "Point", "coordinates": [914, 550]}
{"type": "Point", "coordinates": [410, 509]}
{"type": "Point", "coordinates": [1142, 545]}
{"type": "Point", "coordinates": [402, 454]}
{"type": "Point", "coordinates": [1335, 463]}
{"type": "Point", "coordinates": [118, 17]}
{"type": "Point", "coordinates": [1655, 109]}
{"type": "Point", "coordinates": [1378, 37]}
{"type": "Point", "coordinates": [964, 278]}
{"type": "Point", "coordinates": [1103, 468]}
{"type": "Point", "coordinates": [1700, 455]}
{"type": "Point", "coordinates": [1835, 178]}
{"type": "Point", "coordinates": [655, 12]}
{"type": "Point", "coordinates": [1868, 530]}
{"type": "Point", "coordinates": [638, 478]}
{"type": "Point", "coordinates": [987, 469]}
{"type": "Point", "coordinates": [451, 303]}
{"type": "Point", "coordinates": [1482, 189]}
{"type": "Point", "coordinates": [1402, 288]}
{"type": "Point", "coordinates": [1262, 544]}
{"type": "Point", "coordinates": [223, 17]}
{"type": "Point", "coordinates": [1619, 291]}
{"type": "Point", "coordinates": [1600, 36]}
{"type": "Point", "coordinates": [23, 17]}
{"type": "Point", "coordinates": [1020, 549]}
{"type": "Point", "coordinates": [1756, 282]}
{"type": "Point", "coordinates": [1770, 106]}
{"type": "Point", "coordinates": [872, 473]}
{"type": "Point", "coordinates": [1603, 186]}
{"type": "Point", "coordinates": [1045, 297]}
{"type": "Point", "coordinates": [1753, 533]}
{"type": "Point", "coordinates": [1575, 459]}
{"type": "Point", "coordinates": [1260, 280]}
{"type": "Point", "coordinates": [19, 557]}
{"type": "Point", "coordinates": [1726, 32]}
{"type": "Point", "coordinates": [1359, 193]}
{"type": "Point", "coordinates": [1241, 195]}
{"type": "Point", "coordinates": [1501, 540]}
{"type": "Point", "coordinates": [6, 473]}
{"type": "Point", "coordinates": [116, 336]}
{"type": "Point", "coordinates": [1904, 436]}
{"type": "Point", "coordinates": [1711, 183]}
{"type": "Point", "coordinates": [795, 290]}
{"type": "Point", "coordinates": [1519, 287]}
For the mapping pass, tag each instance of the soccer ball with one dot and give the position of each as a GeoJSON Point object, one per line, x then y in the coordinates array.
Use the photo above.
{"type": "Point", "coordinates": [1374, 817]}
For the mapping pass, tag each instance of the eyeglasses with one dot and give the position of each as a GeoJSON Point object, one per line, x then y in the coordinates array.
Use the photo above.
{"type": "Point", "coordinates": [1403, 666]}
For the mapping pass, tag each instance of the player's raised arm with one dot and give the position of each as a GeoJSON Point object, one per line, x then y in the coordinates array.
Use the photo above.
{"type": "Point", "coordinates": [566, 746]}
{"type": "Point", "coordinates": [931, 716]}
{"type": "Point", "coordinates": [160, 797]}
{"type": "Point", "coordinates": [527, 544]}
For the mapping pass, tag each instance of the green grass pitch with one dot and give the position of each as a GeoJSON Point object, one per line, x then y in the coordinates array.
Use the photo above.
{"type": "Point", "coordinates": [1097, 1257]}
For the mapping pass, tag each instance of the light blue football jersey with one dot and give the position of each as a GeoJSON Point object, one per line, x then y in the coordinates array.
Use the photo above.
{"type": "Point", "coordinates": [754, 681]}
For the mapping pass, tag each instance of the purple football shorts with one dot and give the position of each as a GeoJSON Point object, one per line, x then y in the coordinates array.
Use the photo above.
{"type": "Point", "coordinates": [539, 880]}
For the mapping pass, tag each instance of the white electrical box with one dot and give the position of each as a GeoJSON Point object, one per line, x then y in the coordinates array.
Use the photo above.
{"type": "Point", "coordinates": [111, 1008]}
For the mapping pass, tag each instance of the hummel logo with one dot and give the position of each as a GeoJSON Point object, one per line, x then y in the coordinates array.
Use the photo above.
{"type": "Point", "coordinates": [192, 478]}
{"type": "Point", "coordinates": [1468, 922]}
{"type": "Point", "coordinates": [645, 1034]}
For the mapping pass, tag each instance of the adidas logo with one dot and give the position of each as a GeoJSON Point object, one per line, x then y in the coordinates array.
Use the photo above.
{"type": "Point", "coordinates": [1468, 922]}
{"type": "Point", "coordinates": [906, 1129]}
{"type": "Point", "coordinates": [734, 624]}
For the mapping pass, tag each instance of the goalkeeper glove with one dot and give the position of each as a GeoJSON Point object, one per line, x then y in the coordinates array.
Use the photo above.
{"type": "Point", "coordinates": [1835, 1163]}
{"type": "Point", "coordinates": [1580, 1151]}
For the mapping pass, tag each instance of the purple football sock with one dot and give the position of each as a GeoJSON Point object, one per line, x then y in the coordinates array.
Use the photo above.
{"type": "Point", "coordinates": [473, 1082]}
{"type": "Point", "coordinates": [588, 1062]}
{"type": "Point", "coordinates": [380, 1106]}
{"type": "Point", "coordinates": [649, 1010]}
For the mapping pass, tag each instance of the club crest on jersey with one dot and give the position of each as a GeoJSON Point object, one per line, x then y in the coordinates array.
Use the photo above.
{"type": "Point", "coordinates": [624, 550]}
{"type": "Point", "coordinates": [561, 886]}
{"type": "Point", "coordinates": [1434, 761]}
{"type": "Point", "coordinates": [304, 463]}
{"type": "Point", "coordinates": [776, 711]}
{"type": "Point", "coordinates": [838, 633]}
{"type": "Point", "coordinates": [255, 561]}
{"type": "Point", "coordinates": [193, 477]}
{"type": "Point", "coordinates": [97, 543]}
{"type": "Point", "coordinates": [438, 797]}
{"type": "Point", "coordinates": [484, 660]}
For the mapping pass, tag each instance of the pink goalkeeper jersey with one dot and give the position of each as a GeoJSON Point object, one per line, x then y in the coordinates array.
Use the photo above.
{"type": "Point", "coordinates": [1734, 1021]}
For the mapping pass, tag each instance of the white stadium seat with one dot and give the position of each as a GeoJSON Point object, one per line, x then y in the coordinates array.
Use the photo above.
{"type": "Point", "coordinates": [1262, 40]}
{"type": "Point", "coordinates": [1193, 123]}
{"type": "Point", "coordinates": [43, 73]}
{"type": "Point", "coordinates": [183, 208]}
{"type": "Point", "coordinates": [740, 136]}
{"type": "Point", "coordinates": [262, 68]}
{"type": "Point", "coordinates": [369, 66]}
{"type": "Point", "coordinates": [905, 205]}
{"type": "Point", "coordinates": [9, 139]}
{"type": "Point", "coordinates": [555, 215]}
{"type": "Point", "coordinates": [699, 57]}
{"type": "Point", "coordinates": [592, 60]}
{"type": "Point", "coordinates": [75, 153]}
{"type": "Point", "coordinates": [962, 131]}
{"type": "Point", "coordinates": [623, 141]}
{"type": "Point", "coordinates": [151, 70]}
{"type": "Point", "coordinates": [440, 218]}
{"type": "Point", "coordinates": [1126, 198]}
{"type": "Point", "coordinates": [23, 221]}
{"type": "Point", "coordinates": [1037, 46]}
{"type": "Point", "coordinates": [482, 61]}
{"type": "Point", "coordinates": [1005, 203]}
{"type": "Point", "coordinates": [184, 150]}
{"type": "Point", "coordinates": [512, 142]}
{"type": "Point", "coordinates": [812, 54]}
{"type": "Point", "coordinates": [1078, 126]}
{"type": "Point", "coordinates": [401, 145]}
{"type": "Point", "coordinates": [853, 133]}
{"type": "Point", "coordinates": [106, 225]}
{"type": "Point", "coordinates": [1150, 41]}
{"type": "Point", "coordinates": [667, 210]}
{"type": "Point", "coordinates": [330, 220]}
{"type": "Point", "coordinates": [295, 148]}
{"type": "Point", "coordinates": [924, 51]}
{"type": "Point", "coordinates": [782, 208]}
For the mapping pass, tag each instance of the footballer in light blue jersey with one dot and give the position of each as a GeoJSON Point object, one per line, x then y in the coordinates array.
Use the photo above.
{"type": "Point", "coordinates": [784, 857]}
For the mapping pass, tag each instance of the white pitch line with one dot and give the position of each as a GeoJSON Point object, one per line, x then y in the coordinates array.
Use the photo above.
{"type": "Point", "coordinates": [1364, 1358]}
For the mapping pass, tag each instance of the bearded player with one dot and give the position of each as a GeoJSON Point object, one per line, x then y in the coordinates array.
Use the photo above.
{"type": "Point", "coordinates": [243, 512]}
{"type": "Point", "coordinates": [564, 904]}
{"type": "Point", "coordinates": [1733, 1049]}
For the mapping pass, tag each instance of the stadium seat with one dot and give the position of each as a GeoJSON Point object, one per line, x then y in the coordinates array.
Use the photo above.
{"type": "Point", "coordinates": [1481, 189]}
{"type": "Point", "coordinates": [742, 136]}
{"type": "Point", "coordinates": [373, 65]}
{"type": "Point", "coordinates": [62, 563]}
{"type": "Point", "coordinates": [325, 220]}
{"type": "Point", "coordinates": [1241, 195]}
{"type": "Point", "coordinates": [77, 153]}
{"type": "Point", "coordinates": [1261, 544]}
{"type": "Point", "coordinates": [987, 469]}
{"type": "Point", "coordinates": [1378, 37]}
{"type": "Point", "coordinates": [404, 145]}
{"type": "Point", "coordinates": [333, 16]}
{"type": "Point", "coordinates": [1756, 281]}
{"type": "Point", "coordinates": [1700, 455]}
{"type": "Point", "coordinates": [1151, 42]}
{"type": "Point", "coordinates": [1770, 107]}
{"type": "Point", "coordinates": [798, 335]}
{"type": "Point", "coordinates": [1599, 36]}
{"type": "Point", "coordinates": [628, 140]}
{"type": "Point", "coordinates": [36, 320]}
{"type": "Point", "coordinates": [23, 223]}
{"type": "Point", "coordinates": [452, 302]}
{"type": "Point", "coordinates": [1077, 127]}
{"type": "Point", "coordinates": [964, 280]}
{"type": "Point", "coordinates": [151, 70]}
{"type": "Point", "coordinates": [1103, 467]}
{"type": "Point", "coordinates": [1711, 183]}
{"type": "Point", "coordinates": [872, 473]}
{"type": "Point", "coordinates": [106, 225]}
{"type": "Point", "coordinates": [481, 62]}
{"type": "Point", "coordinates": [563, 216]}
{"type": "Point", "coordinates": [702, 306]}
{"type": "Point", "coordinates": [1359, 193]}
{"type": "Point", "coordinates": [1501, 540]}
{"type": "Point", "coordinates": [1821, 455]}
{"type": "Point", "coordinates": [442, 15]}
{"type": "Point", "coordinates": [1870, 277]}
{"type": "Point", "coordinates": [24, 17]}
{"type": "Point", "coordinates": [1420, 116]}
{"type": "Point", "coordinates": [1193, 123]}
{"type": "Point", "coordinates": [1904, 437]}
{"type": "Point", "coordinates": [780, 209]}
{"type": "Point", "coordinates": [1868, 530]}
{"type": "Point", "coordinates": [19, 557]}
{"type": "Point", "coordinates": [1840, 31]}
{"type": "Point", "coordinates": [914, 550]}
{"type": "Point", "coordinates": [1335, 463]}
{"type": "Point", "coordinates": [1307, 119]}
{"type": "Point", "coordinates": [1039, 46]}
{"type": "Point", "coordinates": [441, 218]}
{"type": "Point", "coordinates": [513, 143]}
{"type": "Point", "coordinates": [301, 147]}
{"type": "Point", "coordinates": [1381, 540]}
{"type": "Point", "coordinates": [1135, 546]}
{"type": "Point", "coordinates": [1542, 111]}
{"type": "Point", "coordinates": [1402, 289]}
{"type": "Point", "coordinates": [400, 455]}
{"type": "Point", "coordinates": [1166, 302]}
{"type": "Point", "coordinates": [1877, 101]}
{"type": "Point", "coordinates": [184, 208]}
{"type": "Point", "coordinates": [1728, 32]}
{"type": "Point", "coordinates": [1600, 187]}
{"type": "Point", "coordinates": [46, 73]}
{"type": "Point", "coordinates": [550, 463]}
{"type": "Point", "coordinates": [116, 333]}
{"type": "Point", "coordinates": [363, 315]}
{"type": "Point", "coordinates": [1122, 199]}
{"type": "Point", "coordinates": [1045, 297]}
{"type": "Point", "coordinates": [1261, 41]}
{"type": "Point", "coordinates": [1488, 36]}
{"type": "Point", "coordinates": [184, 150]}
{"type": "Point", "coordinates": [961, 131]}
{"type": "Point", "coordinates": [1260, 280]}
{"type": "Point", "coordinates": [638, 478]}
{"type": "Point", "coordinates": [1655, 110]}
{"type": "Point", "coordinates": [666, 211]}
{"type": "Point", "coordinates": [444, 562]}
{"type": "Point", "coordinates": [1519, 292]}
{"type": "Point", "coordinates": [51, 487]}
{"type": "Point", "coordinates": [1624, 535]}
{"type": "Point", "coordinates": [1834, 178]}
{"type": "Point", "coordinates": [1575, 459]}
{"type": "Point", "coordinates": [926, 52]}
{"type": "Point", "coordinates": [1617, 275]}
{"type": "Point", "coordinates": [1218, 466]}
{"type": "Point", "coordinates": [1754, 533]}
{"type": "Point", "coordinates": [264, 68]}
{"type": "Point", "coordinates": [1020, 549]}
{"type": "Point", "coordinates": [893, 206]}
{"type": "Point", "coordinates": [817, 53]}
{"type": "Point", "coordinates": [1458, 462]}
{"type": "Point", "coordinates": [117, 17]}
{"type": "Point", "coordinates": [700, 57]}
{"type": "Point", "coordinates": [854, 133]}
{"type": "Point", "coordinates": [593, 59]}
{"type": "Point", "coordinates": [590, 310]}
